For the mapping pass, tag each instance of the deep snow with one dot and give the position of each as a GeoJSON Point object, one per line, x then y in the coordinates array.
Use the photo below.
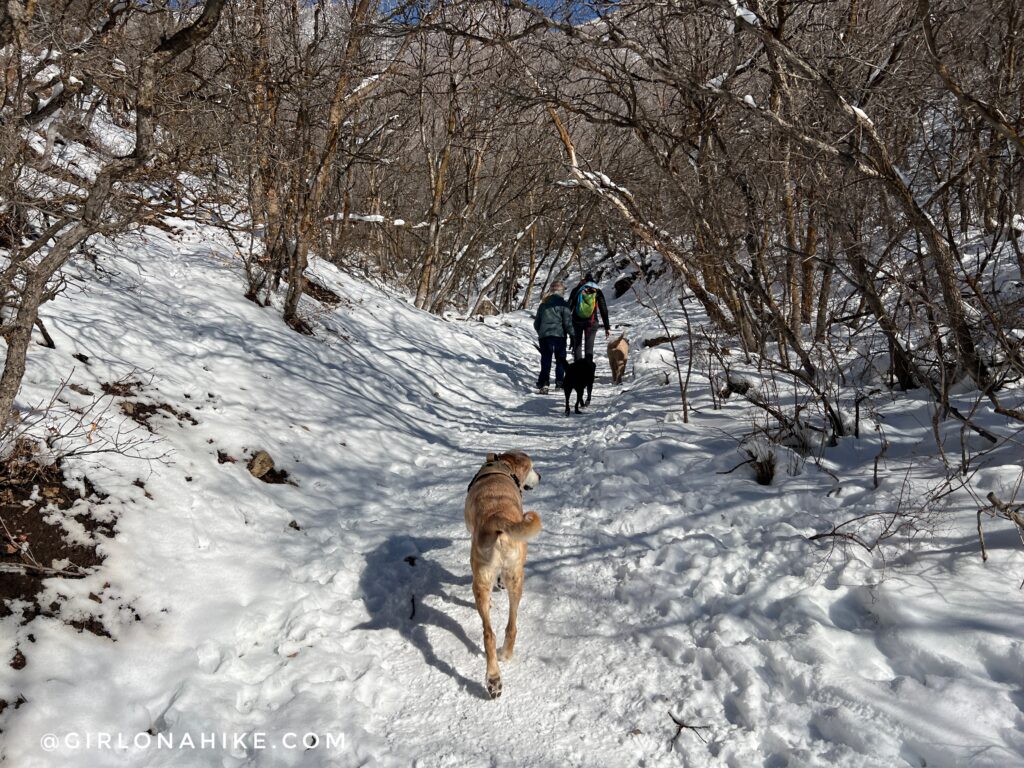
{"type": "Point", "coordinates": [663, 584]}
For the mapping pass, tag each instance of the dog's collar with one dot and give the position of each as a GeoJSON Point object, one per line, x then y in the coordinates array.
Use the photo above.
{"type": "Point", "coordinates": [497, 467]}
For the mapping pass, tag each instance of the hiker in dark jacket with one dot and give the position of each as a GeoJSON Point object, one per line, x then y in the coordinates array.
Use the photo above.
{"type": "Point", "coordinates": [553, 323]}
{"type": "Point", "coordinates": [585, 302]}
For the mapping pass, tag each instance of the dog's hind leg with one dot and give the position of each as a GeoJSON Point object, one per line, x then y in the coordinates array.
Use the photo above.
{"type": "Point", "coordinates": [482, 596]}
{"type": "Point", "coordinates": [514, 581]}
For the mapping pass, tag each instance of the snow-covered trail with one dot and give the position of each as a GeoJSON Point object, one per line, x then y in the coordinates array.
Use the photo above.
{"type": "Point", "coordinates": [578, 691]}
{"type": "Point", "coordinates": [662, 581]}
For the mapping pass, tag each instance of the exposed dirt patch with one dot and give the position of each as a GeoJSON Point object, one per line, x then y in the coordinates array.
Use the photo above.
{"type": "Point", "coordinates": [91, 624]}
{"type": "Point", "coordinates": [139, 411]}
{"type": "Point", "coordinates": [322, 293]}
{"type": "Point", "coordinates": [4, 704]}
{"type": "Point", "coordinates": [33, 549]}
{"type": "Point", "coordinates": [121, 388]}
{"type": "Point", "coordinates": [278, 476]}
{"type": "Point", "coordinates": [142, 412]}
{"type": "Point", "coordinates": [659, 340]}
{"type": "Point", "coordinates": [138, 483]}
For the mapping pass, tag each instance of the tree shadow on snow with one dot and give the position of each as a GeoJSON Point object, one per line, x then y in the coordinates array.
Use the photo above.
{"type": "Point", "coordinates": [397, 582]}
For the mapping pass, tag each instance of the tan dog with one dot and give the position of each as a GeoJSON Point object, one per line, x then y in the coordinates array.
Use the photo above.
{"type": "Point", "coordinates": [494, 517]}
{"type": "Point", "coordinates": [618, 352]}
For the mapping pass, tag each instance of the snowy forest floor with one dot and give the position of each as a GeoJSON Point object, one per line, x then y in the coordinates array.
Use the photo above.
{"type": "Point", "coordinates": [663, 589]}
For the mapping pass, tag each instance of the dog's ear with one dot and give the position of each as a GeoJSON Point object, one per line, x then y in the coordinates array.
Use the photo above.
{"type": "Point", "coordinates": [492, 457]}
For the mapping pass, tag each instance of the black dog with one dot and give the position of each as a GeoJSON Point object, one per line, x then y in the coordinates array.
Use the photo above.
{"type": "Point", "coordinates": [579, 376]}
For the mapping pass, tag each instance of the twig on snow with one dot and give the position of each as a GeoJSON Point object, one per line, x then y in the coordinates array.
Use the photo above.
{"type": "Point", "coordinates": [681, 726]}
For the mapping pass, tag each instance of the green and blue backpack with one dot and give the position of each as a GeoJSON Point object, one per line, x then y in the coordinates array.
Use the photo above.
{"type": "Point", "coordinates": [586, 302]}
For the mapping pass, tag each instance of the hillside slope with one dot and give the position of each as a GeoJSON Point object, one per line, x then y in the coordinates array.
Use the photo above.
{"type": "Point", "coordinates": [665, 586]}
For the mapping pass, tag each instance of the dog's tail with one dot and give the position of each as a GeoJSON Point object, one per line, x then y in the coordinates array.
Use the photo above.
{"type": "Point", "coordinates": [521, 531]}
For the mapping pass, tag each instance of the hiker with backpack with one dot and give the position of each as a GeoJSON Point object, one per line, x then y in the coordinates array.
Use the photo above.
{"type": "Point", "coordinates": [586, 301]}
{"type": "Point", "coordinates": [553, 323]}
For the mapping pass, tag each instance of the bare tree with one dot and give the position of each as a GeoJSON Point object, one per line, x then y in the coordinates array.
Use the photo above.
{"type": "Point", "coordinates": [48, 219]}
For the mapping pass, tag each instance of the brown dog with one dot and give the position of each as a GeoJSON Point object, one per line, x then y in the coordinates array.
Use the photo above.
{"type": "Point", "coordinates": [618, 352]}
{"type": "Point", "coordinates": [494, 517]}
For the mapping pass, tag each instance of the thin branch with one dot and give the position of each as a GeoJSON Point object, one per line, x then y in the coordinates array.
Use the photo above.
{"type": "Point", "coordinates": [681, 726]}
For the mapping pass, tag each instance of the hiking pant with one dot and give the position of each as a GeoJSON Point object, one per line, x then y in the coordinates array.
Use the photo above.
{"type": "Point", "coordinates": [581, 334]}
{"type": "Point", "coordinates": [551, 345]}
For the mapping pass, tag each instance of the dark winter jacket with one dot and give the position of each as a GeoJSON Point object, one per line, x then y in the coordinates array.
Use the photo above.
{"type": "Point", "coordinates": [602, 308]}
{"type": "Point", "coordinates": [553, 318]}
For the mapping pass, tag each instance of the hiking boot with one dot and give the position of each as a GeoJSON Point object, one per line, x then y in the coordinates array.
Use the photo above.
{"type": "Point", "coordinates": [542, 390]}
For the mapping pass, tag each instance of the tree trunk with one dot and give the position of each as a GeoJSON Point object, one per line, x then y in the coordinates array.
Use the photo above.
{"type": "Point", "coordinates": [902, 364]}
{"type": "Point", "coordinates": [19, 333]}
